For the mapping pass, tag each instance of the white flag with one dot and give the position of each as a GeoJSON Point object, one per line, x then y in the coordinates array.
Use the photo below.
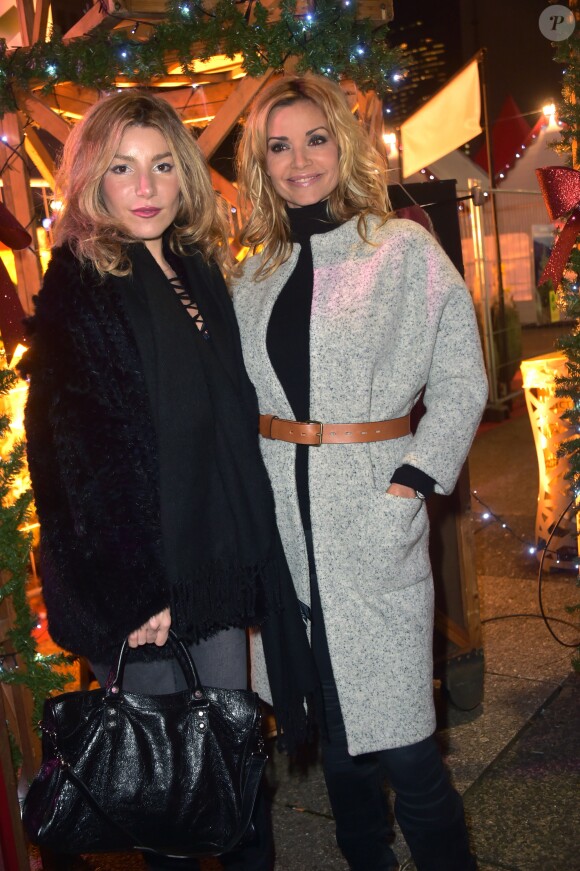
{"type": "Point", "coordinates": [447, 121]}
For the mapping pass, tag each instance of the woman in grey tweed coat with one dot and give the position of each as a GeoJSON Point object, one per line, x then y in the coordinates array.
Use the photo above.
{"type": "Point", "coordinates": [347, 315]}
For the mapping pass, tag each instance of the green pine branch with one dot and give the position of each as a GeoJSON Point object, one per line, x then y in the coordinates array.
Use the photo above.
{"type": "Point", "coordinates": [568, 293]}
{"type": "Point", "coordinates": [41, 674]}
{"type": "Point", "coordinates": [330, 41]}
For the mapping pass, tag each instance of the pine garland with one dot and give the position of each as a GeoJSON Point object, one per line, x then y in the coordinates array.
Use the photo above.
{"type": "Point", "coordinates": [329, 40]}
{"type": "Point", "coordinates": [568, 296]}
{"type": "Point", "coordinates": [568, 293]}
{"type": "Point", "coordinates": [20, 661]}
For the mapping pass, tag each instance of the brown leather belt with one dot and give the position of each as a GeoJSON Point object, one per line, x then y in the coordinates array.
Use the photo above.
{"type": "Point", "coordinates": [315, 433]}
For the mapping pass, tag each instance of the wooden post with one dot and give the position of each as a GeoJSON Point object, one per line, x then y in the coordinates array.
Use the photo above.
{"type": "Point", "coordinates": [13, 850]}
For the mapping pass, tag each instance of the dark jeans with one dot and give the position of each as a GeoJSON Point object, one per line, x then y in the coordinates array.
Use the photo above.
{"type": "Point", "coordinates": [221, 661]}
{"type": "Point", "coordinates": [428, 809]}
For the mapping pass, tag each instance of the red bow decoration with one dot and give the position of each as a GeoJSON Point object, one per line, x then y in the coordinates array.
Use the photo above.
{"type": "Point", "coordinates": [560, 188]}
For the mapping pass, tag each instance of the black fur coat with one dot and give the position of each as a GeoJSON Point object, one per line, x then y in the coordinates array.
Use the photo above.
{"type": "Point", "coordinates": [93, 463]}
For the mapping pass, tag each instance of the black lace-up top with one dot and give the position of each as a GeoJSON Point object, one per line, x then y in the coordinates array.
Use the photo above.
{"type": "Point", "coordinates": [191, 306]}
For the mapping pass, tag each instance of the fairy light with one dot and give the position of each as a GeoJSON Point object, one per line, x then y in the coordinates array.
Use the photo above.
{"type": "Point", "coordinates": [489, 515]}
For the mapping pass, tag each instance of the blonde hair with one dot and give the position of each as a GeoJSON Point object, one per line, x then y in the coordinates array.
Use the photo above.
{"type": "Point", "coordinates": [84, 222]}
{"type": "Point", "coordinates": [362, 184]}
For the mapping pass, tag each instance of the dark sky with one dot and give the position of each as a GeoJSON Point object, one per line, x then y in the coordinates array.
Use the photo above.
{"type": "Point", "coordinates": [519, 60]}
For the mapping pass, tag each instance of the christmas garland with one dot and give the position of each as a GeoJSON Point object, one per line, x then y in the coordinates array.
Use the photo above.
{"type": "Point", "coordinates": [21, 664]}
{"type": "Point", "coordinates": [568, 291]}
{"type": "Point", "coordinates": [329, 40]}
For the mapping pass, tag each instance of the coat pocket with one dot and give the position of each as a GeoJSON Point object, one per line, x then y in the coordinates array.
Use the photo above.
{"type": "Point", "coordinates": [392, 543]}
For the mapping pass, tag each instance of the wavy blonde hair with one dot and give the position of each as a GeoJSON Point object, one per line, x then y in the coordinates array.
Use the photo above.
{"type": "Point", "coordinates": [84, 222]}
{"type": "Point", "coordinates": [362, 183]}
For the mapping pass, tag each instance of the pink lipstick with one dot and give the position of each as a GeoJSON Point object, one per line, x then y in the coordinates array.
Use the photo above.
{"type": "Point", "coordinates": [146, 212]}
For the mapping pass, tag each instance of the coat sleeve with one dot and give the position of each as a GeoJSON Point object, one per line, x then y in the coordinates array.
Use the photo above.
{"type": "Point", "coordinates": [456, 387]}
{"type": "Point", "coordinates": [94, 489]}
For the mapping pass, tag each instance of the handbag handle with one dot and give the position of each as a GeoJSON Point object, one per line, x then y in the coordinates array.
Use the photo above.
{"type": "Point", "coordinates": [114, 682]}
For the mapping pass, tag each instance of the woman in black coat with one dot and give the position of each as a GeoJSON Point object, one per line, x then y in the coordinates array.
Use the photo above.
{"type": "Point", "coordinates": [141, 424]}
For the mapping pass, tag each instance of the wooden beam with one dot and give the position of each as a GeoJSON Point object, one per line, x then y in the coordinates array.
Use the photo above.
{"type": "Point", "coordinates": [41, 113]}
{"type": "Point", "coordinates": [74, 99]}
{"type": "Point", "coordinates": [13, 850]}
{"type": "Point", "coordinates": [39, 155]}
{"type": "Point", "coordinates": [18, 200]}
{"type": "Point", "coordinates": [224, 187]}
{"type": "Point", "coordinates": [153, 9]}
{"type": "Point", "coordinates": [97, 16]}
{"type": "Point", "coordinates": [26, 19]}
{"type": "Point", "coordinates": [40, 20]}
{"type": "Point", "coordinates": [205, 102]}
{"type": "Point", "coordinates": [238, 101]}
{"type": "Point", "coordinates": [451, 630]}
{"type": "Point", "coordinates": [370, 110]}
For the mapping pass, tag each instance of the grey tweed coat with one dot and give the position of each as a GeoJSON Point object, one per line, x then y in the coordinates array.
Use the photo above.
{"type": "Point", "coordinates": [388, 319]}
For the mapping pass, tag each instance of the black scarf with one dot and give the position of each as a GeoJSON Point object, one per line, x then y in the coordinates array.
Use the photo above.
{"type": "Point", "coordinates": [224, 558]}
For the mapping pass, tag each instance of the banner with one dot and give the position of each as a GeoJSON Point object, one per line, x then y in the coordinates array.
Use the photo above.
{"type": "Point", "coordinates": [447, 121]}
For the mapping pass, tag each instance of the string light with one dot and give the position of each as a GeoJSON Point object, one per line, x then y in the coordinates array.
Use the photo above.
{"type": "Point", "coordinates": [358, 49]}
{"type": "Point", "coordinates": [489, 514]}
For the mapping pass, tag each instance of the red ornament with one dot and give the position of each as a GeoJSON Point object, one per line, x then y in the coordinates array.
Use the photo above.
{"type": "Point", "coordinates": [560, 188]}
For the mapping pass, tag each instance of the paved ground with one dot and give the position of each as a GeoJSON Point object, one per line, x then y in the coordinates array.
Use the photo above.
{"type": "Point", "coordinates": [516, 756]}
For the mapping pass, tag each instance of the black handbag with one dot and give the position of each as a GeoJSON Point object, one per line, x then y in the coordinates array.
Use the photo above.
{"type": "Point", "coordinates": [173, 774]}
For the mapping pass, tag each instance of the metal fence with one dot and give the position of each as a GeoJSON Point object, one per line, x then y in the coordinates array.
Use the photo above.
{"type": "Point", "coordinates": [525, 236]}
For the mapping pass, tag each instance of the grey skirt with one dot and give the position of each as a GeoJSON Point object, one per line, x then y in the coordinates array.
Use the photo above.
{"type": "Point", "coordinates": [221, 661]}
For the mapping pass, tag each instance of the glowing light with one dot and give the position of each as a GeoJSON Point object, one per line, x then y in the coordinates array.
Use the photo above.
{"type": "Point", "coordinates": [56, 205]}
{"type": "Point", "coordinates": [51, 69]}
{"type": "Point", "coordinates": [4, 138]}
{"type": "Point", "coordinates": [47, 223]}
{"type": "Point", "coordinates": [17, 355]}
{"type": "Point", "coordinates": [486, 515]}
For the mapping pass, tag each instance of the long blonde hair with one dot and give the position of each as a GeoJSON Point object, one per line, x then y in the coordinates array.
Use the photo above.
{"type": "Point", "coordinates": [362, 184]}
{"type": "Point", "coordinates": [84, 222]}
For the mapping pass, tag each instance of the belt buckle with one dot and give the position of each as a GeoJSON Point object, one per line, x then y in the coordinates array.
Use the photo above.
{"type": "Point", "coordinates": [317, 435]}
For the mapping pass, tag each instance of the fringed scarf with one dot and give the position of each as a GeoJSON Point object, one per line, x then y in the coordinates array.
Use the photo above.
{"type": "Point", "coordinates": [224, 559]}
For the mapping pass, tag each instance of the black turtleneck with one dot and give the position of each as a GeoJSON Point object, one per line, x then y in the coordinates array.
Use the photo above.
{"type": "Point", "coordinates": [288, 337]}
